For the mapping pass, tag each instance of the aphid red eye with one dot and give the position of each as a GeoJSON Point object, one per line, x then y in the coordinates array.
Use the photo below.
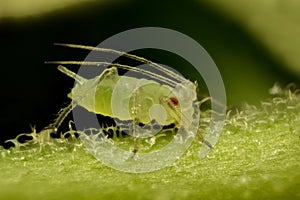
{"type": "Point", "coordinates": [174, 100]}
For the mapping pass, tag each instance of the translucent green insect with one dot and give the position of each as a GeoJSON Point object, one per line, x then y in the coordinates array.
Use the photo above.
{"type": "Point", "coordinates": [168, 99]}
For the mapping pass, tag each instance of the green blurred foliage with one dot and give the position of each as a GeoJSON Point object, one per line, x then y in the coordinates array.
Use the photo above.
{"type": "Point", "coordinates": [275, 24]}
{"type": "Point", "coordinates": [25, 8]}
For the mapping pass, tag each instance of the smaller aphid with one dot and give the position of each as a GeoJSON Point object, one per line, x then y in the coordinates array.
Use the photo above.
{"type": "Point", "coordinates": [166, 99]}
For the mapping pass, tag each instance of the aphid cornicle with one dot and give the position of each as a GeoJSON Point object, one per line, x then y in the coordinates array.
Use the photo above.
{"type": "Point", "coordinates": [143, 95]}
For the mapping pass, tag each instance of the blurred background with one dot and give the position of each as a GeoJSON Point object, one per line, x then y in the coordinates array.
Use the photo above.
{"type": "Point", "coordinates": [254, 44]}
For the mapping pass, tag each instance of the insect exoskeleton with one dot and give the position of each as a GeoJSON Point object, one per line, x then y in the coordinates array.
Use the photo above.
{"type": "Point", "coordinates": [147, 105]}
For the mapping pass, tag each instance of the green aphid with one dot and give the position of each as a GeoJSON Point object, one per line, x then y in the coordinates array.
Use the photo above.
{"type": "Point", "coordinates": [147, 94]}
{"type": "Point", "coordinates": [167, 99]}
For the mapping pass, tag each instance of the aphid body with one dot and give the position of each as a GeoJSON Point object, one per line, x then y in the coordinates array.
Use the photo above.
{"type": "Point", "coordinates": [167, 99]}
{"type": "Point", "coordinates": [135, 96]}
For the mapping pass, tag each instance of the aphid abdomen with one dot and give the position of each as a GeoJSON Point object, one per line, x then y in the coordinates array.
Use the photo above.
{"type": "Point", "coordinates": [95, 94]}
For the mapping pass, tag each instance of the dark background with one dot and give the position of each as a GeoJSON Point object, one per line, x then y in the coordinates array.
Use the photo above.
{"type": "Point", "coordinates": [32, 92]}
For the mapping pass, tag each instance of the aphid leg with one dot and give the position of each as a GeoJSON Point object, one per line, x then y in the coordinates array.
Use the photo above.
{"type": "Point", "coordinates": [135, 145]}
{"type": "Point", "coordinates": [172, 104]}
{"type": "Point", "coordinates": [208, 144]}
{"type": "Point", "coordinates": [62, 114]}
{"type": "Point", "coordinates": [199, 135]}
{"type": "Point", "coordinates": [135, 134]}
{"type": "Point", "coordinates": [135, 138]}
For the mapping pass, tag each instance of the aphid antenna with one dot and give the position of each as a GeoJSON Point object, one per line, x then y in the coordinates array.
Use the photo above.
{"type": "Point", "coordinates": [92, 63]}
{"type": "Point", "coordinates": [131, 56]}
